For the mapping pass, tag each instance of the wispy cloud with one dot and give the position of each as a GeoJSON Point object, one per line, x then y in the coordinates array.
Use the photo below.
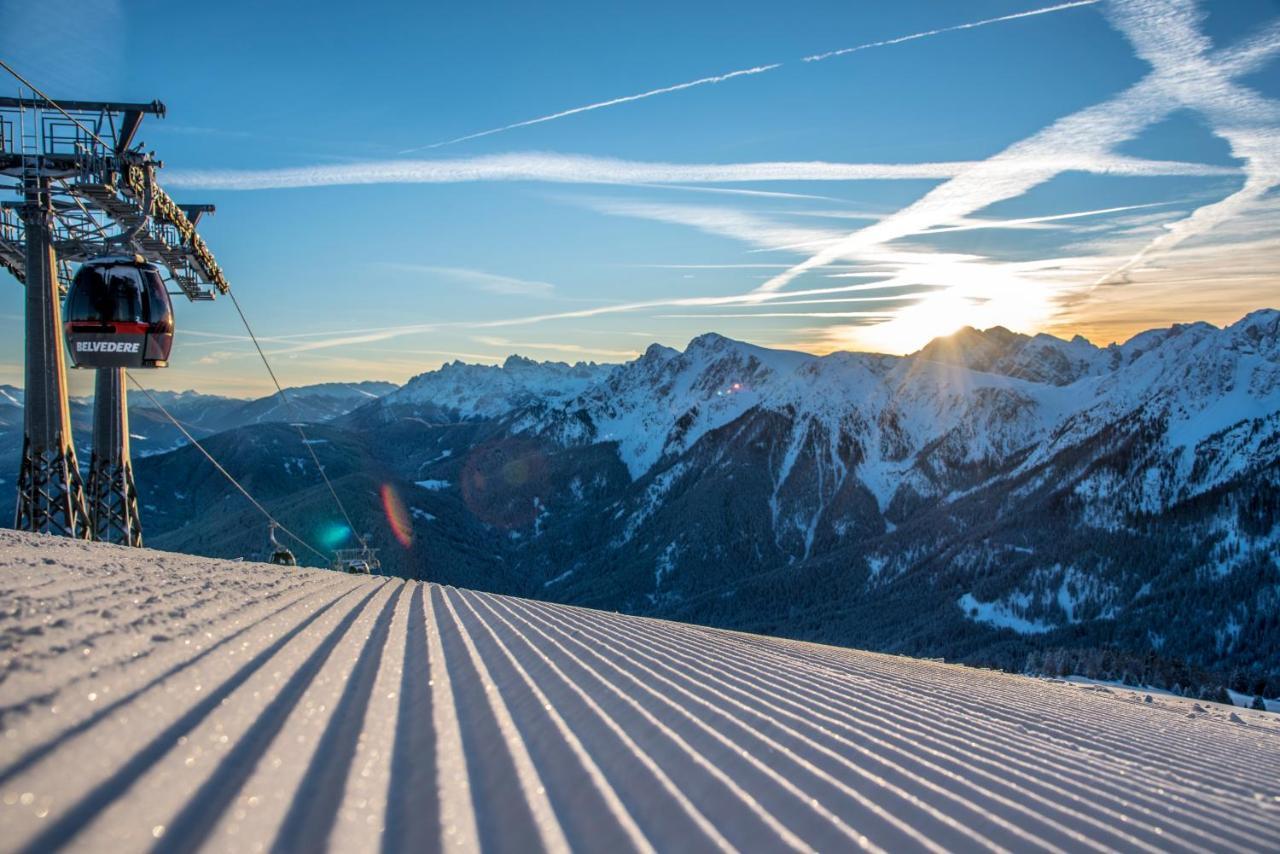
{"type": "Point", "coordinates": [735, 223]}
{"type": "Point", "coordinates": [574, 349]}
{"type": "Point", "coordinates": [481, 280]}
{"type": "Point", "coordinates": [761, 194]}
{"type": "Point", "coordinates": [578, 169]}
{"type": "Point", "coordinates": [742, 72]}
{"type": "Point", "coordinates": [1021, 222]}
{"type": "Point", "coordinates": [882, 315]}
{"type": "Point", "coordinates": [710, 266]}
{"type": "Point", "coordinates": [348, 337]}
{"type": "Point", "coordinates": [768, 233]}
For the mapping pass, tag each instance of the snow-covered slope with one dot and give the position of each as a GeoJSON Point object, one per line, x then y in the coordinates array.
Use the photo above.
{"type": "Point", "coordinates": [158, 701]}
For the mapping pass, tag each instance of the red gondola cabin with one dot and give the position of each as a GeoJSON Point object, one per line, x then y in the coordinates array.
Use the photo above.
{"type": "Point", "coordinates": [118, 315]}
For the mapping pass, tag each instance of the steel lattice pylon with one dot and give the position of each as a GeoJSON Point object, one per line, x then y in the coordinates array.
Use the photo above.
{"type": "Point", "coordinates": [50, 493]}
{"type": "Point", "coordinates": [86, 189]}
{"type": "Point", "coordinates": [112, 497]}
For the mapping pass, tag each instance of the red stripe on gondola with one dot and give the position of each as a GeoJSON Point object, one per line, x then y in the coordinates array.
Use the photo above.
{"type": "Point", "coordinates": [119, 327]}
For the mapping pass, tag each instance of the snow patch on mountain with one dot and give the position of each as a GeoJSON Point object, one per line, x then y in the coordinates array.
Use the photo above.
{"type": "Point", "coordinates": [1002, 614]}
{"type": "Point", "coordinates": [650, 500]}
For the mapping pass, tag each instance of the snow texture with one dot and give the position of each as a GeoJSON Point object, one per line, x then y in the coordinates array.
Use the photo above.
{"type": "Point", "coordinates": [160, 701]}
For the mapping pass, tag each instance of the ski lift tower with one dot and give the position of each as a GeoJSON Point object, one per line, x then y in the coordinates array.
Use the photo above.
{"type": "Point", "coordinates": [85, 189]}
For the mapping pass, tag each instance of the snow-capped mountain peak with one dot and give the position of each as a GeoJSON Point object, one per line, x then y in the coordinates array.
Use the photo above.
{"type": "Point", "coordinates": [465, 391]}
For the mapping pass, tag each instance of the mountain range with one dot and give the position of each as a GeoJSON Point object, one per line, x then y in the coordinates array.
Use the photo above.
{"type": "Point", "coordinates": [151, 431]}
{"type": "Point", "coordinates": [1019, 501]}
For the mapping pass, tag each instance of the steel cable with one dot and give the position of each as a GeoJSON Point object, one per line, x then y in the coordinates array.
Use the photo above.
{"type": "Point", "coordinates": [201, 448]}
{"type": "Point", "coordinates": [297, 426]}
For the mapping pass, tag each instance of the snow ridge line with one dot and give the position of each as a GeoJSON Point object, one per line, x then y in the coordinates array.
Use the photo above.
{"type": "Point", "coordinates": [838, 824]}
{"type": "Point", "coordinates": [366, 796]}
{"type": "Point", "coordinates": [785, 835]}
{"type": "Point", "coordinates": [1030, 777]}
{"type": "Point", "coordinates": [759, 689]}
{"type": "Point", "coordinates": [1163, 789]}
{"type": "Point", "coordinates": [719, 700]}
{"type": "Point", "coordinates": [194, 821]}
{"type": "Point", "coordinates": [613, 726]}
{"type": "Point", "coordinates": [306, 710]}
{"type": "Point", "coordinates": [102, 795]}
{"type": "Point", "coordinates": [279, 776]}
{"type": "Point", "coordinates": [631, 835]}
{"type": "Point", "coordinates": [458, 825]}
{"type": "Point", "coordinates": [1170, 782]}
{"type": "Point", "coordinates": [410, 824]}
{"type": "Point", "coordinates": [38, 752]}
{"type": "Point", "coordinates": [1005, 762]}
{"type": "Point", "coordinates": [550, 833]}
{"type": "Point", "coordinates": [1116, 738]}
{"type": "Point", "coordinates": [307, 825]}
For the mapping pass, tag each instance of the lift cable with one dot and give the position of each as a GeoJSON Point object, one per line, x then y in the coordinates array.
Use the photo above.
{"type": "Point", "coordinates": [296, 424]}
{"type": "Point", "coordinates": [225, 473]}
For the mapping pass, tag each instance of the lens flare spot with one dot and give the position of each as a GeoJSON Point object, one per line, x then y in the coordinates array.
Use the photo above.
{"type": "Point", "coordinates": [397, 516]}
{"type": "Point", "coordinates": [516, 472]}
{"type": "Point", "coordinates": [333, 535]}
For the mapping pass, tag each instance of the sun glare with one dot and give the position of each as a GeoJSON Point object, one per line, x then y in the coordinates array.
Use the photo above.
{"type": "Point", "coordinates": [978, 293]}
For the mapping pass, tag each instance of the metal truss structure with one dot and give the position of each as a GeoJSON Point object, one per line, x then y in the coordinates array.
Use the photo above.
{"type": "Point", "coordinates": [86, 189]}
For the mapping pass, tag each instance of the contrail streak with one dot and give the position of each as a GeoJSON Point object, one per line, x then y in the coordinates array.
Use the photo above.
{"type": "Point", "coordinates": [743, 72]}
{"type": "Point", "coordinates": [818, 57]}
{"type": "Point", "coordinates": [1092, 132]}
{"type": "Point", "coordinates": [719, 78]}
{"type": "Point", "coordinates": [574, 169]}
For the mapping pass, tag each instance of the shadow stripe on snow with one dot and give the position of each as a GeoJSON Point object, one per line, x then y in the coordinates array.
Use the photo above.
{"type": "Point", "coordinates": [510, 803]}
{"type": "Point", "coordinates": [191, 826]}
{"type": "Point", "coordinates": [87, 808]}
{"type": "Point", "coordinates": [35, 754]}
{"type": "Point", "coordinates": [413, 823]}
{"type": "Point", "coordinates": [586, 804]}
{"type": "Point", "coordinates": [311, 816]}
{"type": "Point", "coordinates": [672, 822]}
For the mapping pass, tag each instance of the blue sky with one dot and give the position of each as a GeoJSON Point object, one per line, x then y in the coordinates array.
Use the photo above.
{"type": "Point", "coordinates": [1096, 169]}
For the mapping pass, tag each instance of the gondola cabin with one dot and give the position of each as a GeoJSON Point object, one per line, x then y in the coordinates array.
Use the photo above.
{"type": "Point", "coordinates": [118, 315]}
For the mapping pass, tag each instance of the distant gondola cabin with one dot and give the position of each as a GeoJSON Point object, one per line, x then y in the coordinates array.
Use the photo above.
{"type": "Point", "coordinates": [118, 315]}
